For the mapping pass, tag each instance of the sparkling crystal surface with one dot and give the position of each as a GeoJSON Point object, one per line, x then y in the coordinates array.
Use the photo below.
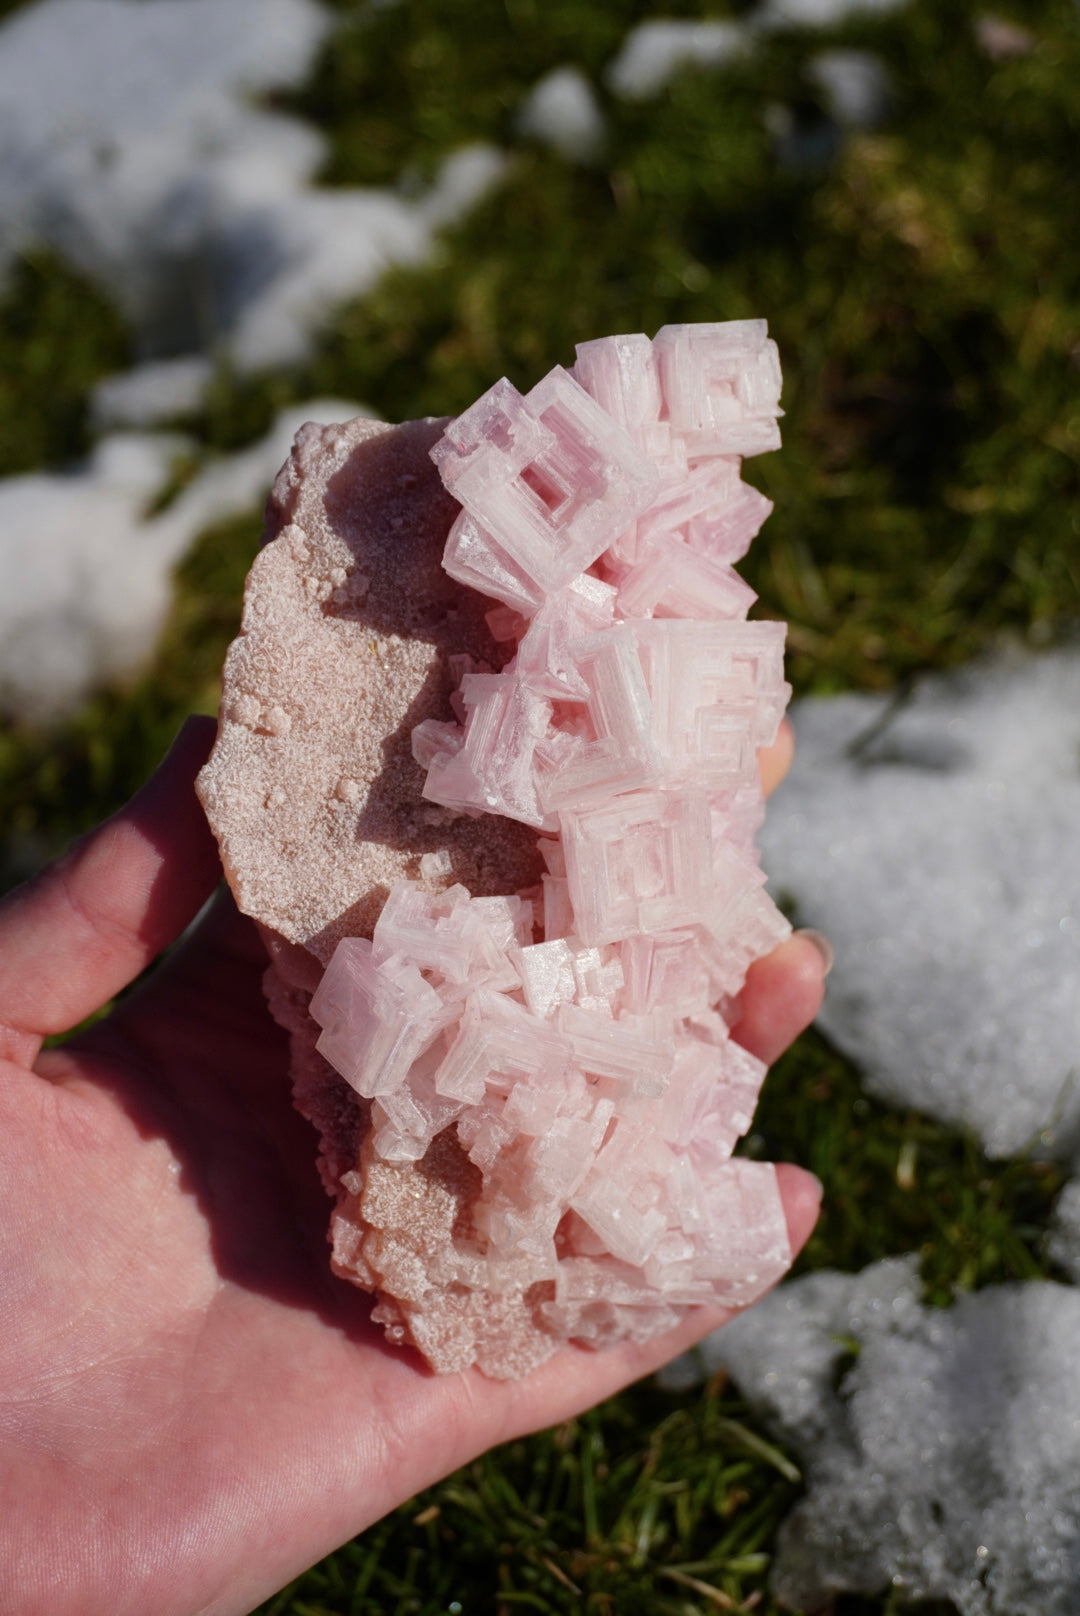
{"type": "Point", "coordinates": [583, 1065]}
{"type": "Point", "coordinates": [552, 1094]}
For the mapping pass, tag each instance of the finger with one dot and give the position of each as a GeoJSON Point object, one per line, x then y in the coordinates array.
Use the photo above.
{"type": "Point", "coordinates": [783, 994]}
{"type": "Point", "coordinates": [84, 927]}
{"type": "Point", "coordinates": [215, 973]}
{"type": "Point", "coordinates": [801, 1193]}
{"type": "Point", "coordinates": [223, 938]}
{"type": "Point", "coordinates": [774, 761]}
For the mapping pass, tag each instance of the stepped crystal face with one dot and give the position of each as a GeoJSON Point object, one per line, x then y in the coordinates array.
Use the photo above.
{"type": "Point", "coordinates": [530, 1095]}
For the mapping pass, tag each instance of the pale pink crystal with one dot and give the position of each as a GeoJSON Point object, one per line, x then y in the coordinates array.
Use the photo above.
{"type": "Point", "coordinates": [475, 557]}
{"type": "Point", "coordinates": [721, 384]}
{"type": "Point", "coordinates": [552, 1094]}
{"type": "Point", "coordinates": [546, 479]}
{"type": "Point", "coordinates": [492, 771]}
{"type": "Point", "coordinates": [499, 1043]}
{"type": "Point", "coordinates": [718, 693]}
{"type": "Point", "coordinates": [377, 1019]}
{"type": "Point", "coordinates": [727, 532]}
{"type": "Point", "coordinates": [708, 489]}
{"type": "Point", "coordinates": [675, 581]}
{"type": "Point", "coordinates": [621, 373]}
{"type": "Point", "coordinates": [641, 863]}
{"type": "Point", "coordinates": [668, 968]}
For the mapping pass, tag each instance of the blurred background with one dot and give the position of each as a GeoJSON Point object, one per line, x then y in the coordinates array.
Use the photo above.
{"type": "Point", "coordinates": [219, 218]}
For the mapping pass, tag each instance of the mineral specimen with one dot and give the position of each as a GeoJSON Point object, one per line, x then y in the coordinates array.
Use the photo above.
{"type": "Point", "coordinates": [503, 854]}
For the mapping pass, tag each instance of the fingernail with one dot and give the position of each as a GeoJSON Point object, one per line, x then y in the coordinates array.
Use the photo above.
{"type": "Point", "coordinates": [821, 943]}
{"type": "Point", "coordinates": [818, 1185]}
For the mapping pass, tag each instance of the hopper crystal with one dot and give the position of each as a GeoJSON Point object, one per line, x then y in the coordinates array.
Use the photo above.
{"type": "Point", "coordinates": [554, 1096]}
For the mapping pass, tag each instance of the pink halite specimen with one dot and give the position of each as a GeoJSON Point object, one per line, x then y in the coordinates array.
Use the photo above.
{"type": "Point", "coordinates": [541, 1091]}
{"type": "Point", "coordinates": [587, 1076]}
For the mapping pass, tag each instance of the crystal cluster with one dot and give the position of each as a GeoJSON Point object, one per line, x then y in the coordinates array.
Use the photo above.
{"type": "Point", "coordinates": [568, 1045]}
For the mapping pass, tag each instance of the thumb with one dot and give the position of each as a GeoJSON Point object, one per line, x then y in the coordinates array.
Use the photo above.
{"type": "Point", "coordinates": [85, 926]}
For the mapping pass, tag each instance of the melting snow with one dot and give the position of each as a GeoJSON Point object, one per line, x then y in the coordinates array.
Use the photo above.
{"type": "Point", "coordinates": [654, 51]}
{"type": "Point", "coordinates": [87, 576]}
{"type": "Point", "coordinates": [935, 843]}
{"type": "Point", "coordinates": [854, 86]}
{"type": "Point", "coordinates": [134, 146]}
{"type": "Point", "coordinates": [944, 1461]}
{"type": "Point", "coordinates": [562, 112]}
{"type": "Point", "coordinates": [156, 391]}
{"type": "Point", "coordinates": [819, 13]}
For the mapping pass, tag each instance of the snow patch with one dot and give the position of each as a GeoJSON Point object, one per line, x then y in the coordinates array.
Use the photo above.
{"type": "Point", "coordinates": [819, 13]}
{"type": "Point", "coordinates": [653, 52]}
{"type": "Point", "coordinates": [934, 842]}
{"type": "Point", "coordinates": [156, 391]}
{"type": "Point", "coordinates": [945, 1461]}
{"type": "Point", "coordinates": [134, 146]}
{"type": "Point", "coordinates": [561, 111]}
{"type": "Point", "coordinates": [854, 86]}
{"type": "Point", "coordinates": [87, 575]}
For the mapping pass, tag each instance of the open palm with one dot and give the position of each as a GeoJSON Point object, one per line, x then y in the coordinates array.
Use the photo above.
{"type": "Point", "coordinates": [192, 1408]}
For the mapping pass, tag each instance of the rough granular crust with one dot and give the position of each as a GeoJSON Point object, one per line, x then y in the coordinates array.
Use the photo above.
{"type": "Point", "coordinates": [312, 791]}
{"type": "Point", "coordinates": [348, 629]}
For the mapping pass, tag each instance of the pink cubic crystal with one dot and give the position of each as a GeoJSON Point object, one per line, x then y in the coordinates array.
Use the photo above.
{"type": "Point", "coordinates": [721, 385]}
{"type": "Point", "coordinates": [548, 1096]}
{"type": "Point", "coordinates": [546, 478]}
{"type": "Point", "coordinates": [629, 721]}
{"type": "Point", "coordinates": [377, 1019]}
{"type": "Point", "coordinates": [640, 863]}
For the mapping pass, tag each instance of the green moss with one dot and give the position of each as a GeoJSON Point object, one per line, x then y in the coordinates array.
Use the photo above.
{"type": "Point", "coordinates": [58, 336]}
{"type": "Point", "coordinates": [928, 315]}
{"type": "Point", "coordinates": [399, 88]}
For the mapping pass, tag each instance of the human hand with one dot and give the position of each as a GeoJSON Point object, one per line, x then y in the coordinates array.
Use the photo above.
{"type": "Point", "coordinates": [192, 1407]}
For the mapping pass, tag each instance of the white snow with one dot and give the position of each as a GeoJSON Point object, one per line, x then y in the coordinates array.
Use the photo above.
{"type": "Point", "coordinates": [653, 52]}
{"type": "Point", "coordinates": [152, 392]}
{"type": "Point", "coordinates": [134, 146]}
{"type": "Point", "coordinates": [84, 589]}
{"type": "Point", "coordinates": [944, 1460]}
{"type": "Point", "coordinates": [1063, 1244]}
{"type": "Point", "coordinates": [87, 576]}
{"type": "Point", "coordinates": [853, 84]}
{"type": "Point", "coordinates": [561, 111]}
{"type": "Point", "coordinates": [819, 13]}
{"type": "Point", "coordinates": [332, 245]}
{"type": "Point", "coordinates": [939, 853]}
